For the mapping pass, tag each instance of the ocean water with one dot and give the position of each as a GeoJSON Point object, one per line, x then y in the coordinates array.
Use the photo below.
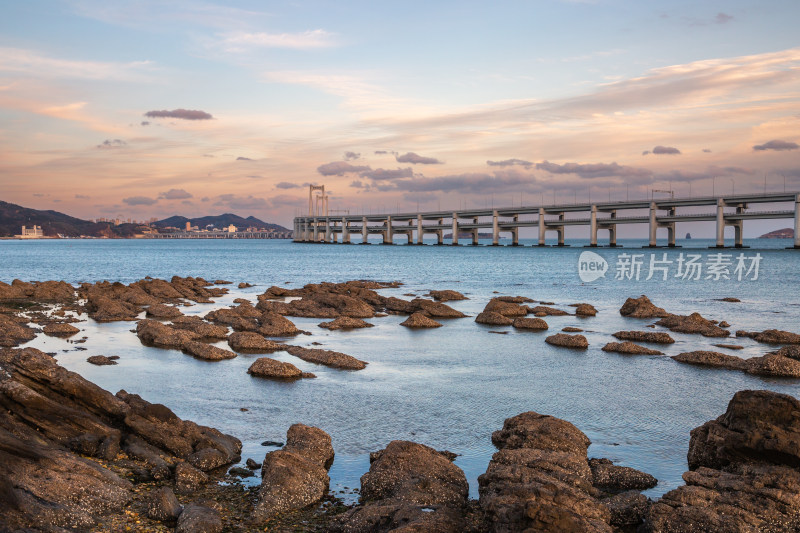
{"type": "Point", "coordinates": [449, 387]}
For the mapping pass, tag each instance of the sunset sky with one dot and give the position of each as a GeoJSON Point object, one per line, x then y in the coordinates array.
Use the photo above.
{"type": "Point", "coordinates": [154, 108]}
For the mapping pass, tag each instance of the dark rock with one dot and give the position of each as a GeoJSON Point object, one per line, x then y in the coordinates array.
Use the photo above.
{"type": "Point", "coordinates": [275, 325]}
{"type": "Point", "coordinates": [446, 296]}
{"type": "Point", "coordinates": [571, 329]}
{"type": "Point", "coordinates": [252, 464]}
{"type": "Point", "coordinates": [203, 329]}
{"type": "Point", "coordinates": [188, 478]}
{"type": "Point", "coordinates": [60, 329]}
{"type": "Point", "coordinates": [529, 323]}
{"type": "Point", "coordinates": [514, 299]}
{"type": "Point", "coordinates": [792, 352]}
{"type": "Point", "coordinates": [492, 318]}
{"type": "Point", "coordinates": [693, 323]}
{"type": "Point", "coordinates": [240, 472]}
{"type": "Point", "coordinates": [252, 342]}
{"type": "Point", "coordinates": [641, 307]}
{"type": "Point", "coordinates": [204, 351]}
{"type": "Point", "coordinates": [729, 346]}
{"type": "Point", "coordinates": [14, 331]}
{"type": "Point", "coordinates": [418, 320]}
{"type": "Point", "coordinates": [657, 337]}
{"type": "Point", "coordinates": [154, 333]}
{"type": "Point", "coordinates": [772, 336]}
{"type": "Point", "coordinates": [568, 341]}
{"type": "Point", "coordinates": [101, 360]}
{"type": "Point", "coordinates": [272, 443]}
{"type": "Point", "coordinates": [264, 367]}
{"type": "Point", "coordinates": [244, 285]}
{"type": "Point", "coordinates": [504, 308]}
{"type": "Point", "coordinates": [208, 459]}
{"type": "Point", "coordinates": [773, 365]}
{"type": "Point", "coordinates": [724, 324]}
{"type": "Point", "coordinates": [612, 478]}
{"type": "Point", "coordinates": [628, 509]}
{"type": "Point", "coordinates": [199, 519]}
{"type": "Point", "coordinates": [585, 310]}
{"type": "Point", "coordinates": [714, 359]}
{"type": "Point", "coordinates": [345, 322]}
{"type": "Point", "coordinates": [163, 311]}
{"type": "Point", "coordinates": [163, 506]}
{"type": "Point", "coordinates": [629, 348]}
{"type": "Point", "coordinates": [541, 310]}
{"type": "Point", "coordinates": [327, 358]}
{"type": "Point", "coordinates": [729, 299]}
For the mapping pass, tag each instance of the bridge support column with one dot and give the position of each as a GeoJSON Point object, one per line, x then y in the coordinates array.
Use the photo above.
{"type": "Point", "coordinates": [612, 231]}
{"type": "Point", "coordinates": [440, 234]}
{"type": "Point", "coordinates": [388, 235]}
{"type": "Point", "coordinates": [561, 230]}
{"type": "Point", "coordinates": [653, 243]}
{"type": "Point", "coordinates": [542, 229]}
{"type": "Point", "coordinates": [316, 231]}
{"type": "Point", "coordinates": [738, 228]}
{"type": "Point", "coordinates": [720, 224]}
{"type": "Point", "coordinates": [364, 231]}
{"type": "Point", "coordinates": [671, 230]}
{"type": "Point", "coordinates": [455, 230]}
{"type": "Point", "coordinates": [593, 228]}
{"type": "Point", "coordinates": [345, 231]}
{"type": "Point", "coordinates": [475, 232]}
{"type": "Point", "coordinates": [797, 222]}
{"type": "Point", "coordinates": [420, 231]}
{"type": "Point", "coordinates": [495, 229]}
{"type": "Point", "coordinates": [328, 232]}
{"type": "Point", "coordinates": [515, 233]}
{"type": "Point", "coordinates": [410, 232]}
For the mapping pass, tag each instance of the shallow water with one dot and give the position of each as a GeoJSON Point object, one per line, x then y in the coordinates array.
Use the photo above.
{"type": "Point", "coordinates": [448, 387]}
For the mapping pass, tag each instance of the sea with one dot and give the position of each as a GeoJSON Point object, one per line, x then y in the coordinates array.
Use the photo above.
{"type": "Point", "coordinates": [450, 387]}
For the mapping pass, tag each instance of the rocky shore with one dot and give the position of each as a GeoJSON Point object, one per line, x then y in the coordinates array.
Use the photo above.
{"type": "Point", "coordinates": [75, 457]}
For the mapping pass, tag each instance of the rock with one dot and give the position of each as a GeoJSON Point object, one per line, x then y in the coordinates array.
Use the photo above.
{"type": "Point", "coordinates": [729, 299]}
{"type": "Point", "coordinates": [446, 295]}
{"type": "Point", "coordinates": [163, 311]}
{"type": "Point", "coordinates": [772, 336]}
{"type": "Point", "coordinates": [252, 464]}
{"type": "Point", "coordinates": [540, 479]}
{"type": "Point", "coordinates": [714, 359]}
{"type": "Point", "coordinates": [529, 323]}
{"type": "Point", "coordinates": [693, 323]}
{"type": "Point", "coordinates": [53, 291]}
{"type": "Point", "coordinates": [251, 342]}
{"type": "Point", "coordinates": [568, 341]}
{"type": "Point", "coordinates": [504, 308]}
{"type": "Point", "coordinates": [295, 476]}
{"type": "Point", "coordinates": [203, 329]}
{"type": "Point", "coordinates": [743, 470]}
{"type": "Point", "coordinates": [793, 352]}
{"type": "Point", "coordinates": [491, 318]}
{"type": "Point", "coordinates": [729, 346]}
{"type": "Point", "coordinates": [435, 309]}
{"type": "Point", "coordinates": [207, 459]}
{"type": "Point", "coordinates": [101, 360]}
{"type": "Point", "coordinates": [418, 320]}
{"type": "Point", "coordinates": [154, 333]}
{"type": "Point", "coordinates": [409, 487]}
{"type": "Point", "coordinates": [641, 307]}
{"type": "Point", "coordinates": [327, 358]}
{"type": "Point", "coordinates": [345, 322]}
{"type": "Point", "coordinates": [60, 329]}
{"type": "Point", "coordinates": [627, 347]}
{"type": "Point", "coordinates": [103, 309]}
{"type": "Point", "coordinates": [163, 506]}
{"type": "Point", "coordinates": [628, 509]}
{"type": "Point", "coordinates": [657, 337]}
{"type": "Point", "coordinates": [774, 365]}
{"type": "Point", "coordinates": [14, 331]}
{"type": "Point", "coordinates": [188, 478]}
{"type": "Point", "coordinates": [585, 310]}
{"type": "Point", "coordinates": [724, 324]}
{"type": "Point", "coordinates": [571, 329]}
{"type": "Point", "coordinates": [238, 318]}
{"type": "Point", "coordinates": [541, 310]}
{"type": "Point", "coordinates": [264, 367]}
{"type": "Point", "coordinates": [612, 478]}
{"type": "Point", "coordinates": [514, 299]}
{"type": "Point", "coordinates": [222, 282]}
{"type": "Point", "coordinates": [240, 472]}
{"type": "Point", "coordinates": [244, 285]}
{"type": "Point", "coordinates": [275, 325]}
{"type": "Point", "coordinates": [206, 352]}
{"type": "Point", "coordinates": [199, 519]}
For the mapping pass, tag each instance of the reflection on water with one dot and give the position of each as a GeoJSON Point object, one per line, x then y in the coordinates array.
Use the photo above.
{"type": "Point", "coordinates": [448, 387]}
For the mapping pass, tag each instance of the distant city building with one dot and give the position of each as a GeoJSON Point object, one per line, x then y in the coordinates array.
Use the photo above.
{"type": "Point", "coordinates": [231, 229]}
{"type": "Point", "coordinates": [31, 233]}
{"type": "Point", "coordinates": [188, 226]}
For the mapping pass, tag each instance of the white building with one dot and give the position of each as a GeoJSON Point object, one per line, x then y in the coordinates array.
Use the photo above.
{"type": "Point", "coordinates": [31, 233]}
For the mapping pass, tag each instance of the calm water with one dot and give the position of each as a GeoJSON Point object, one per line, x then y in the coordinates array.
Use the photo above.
{"type": "Point", "coordinates": [448, 387]}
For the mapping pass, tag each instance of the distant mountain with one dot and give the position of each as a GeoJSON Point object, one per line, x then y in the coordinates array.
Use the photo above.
{"type": "Point", "coordinates": [785, 233]}
{"type": "Point", "coordinates": [218, 221]}
{"type": "Point", "coordinates": [13, 217]}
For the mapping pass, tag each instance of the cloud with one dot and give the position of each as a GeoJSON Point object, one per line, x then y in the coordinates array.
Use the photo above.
{"type": "Point", "coordinates": [287, 185]}
{"type": "Point", "coordinates": [340, 168]}
{"type": "Point", "coordinates": [467, 183]}
{"type": "Point", "coordinates": [723, 18]}
{"type": "Point", "coordinates": [415, 159]}
{"type": "Point", "coordinates": [706, 150]}
{"type": "Point", "coordinates": [185, 114]}
{"type": "Point", "coordinates": [666, 150]}
{"type": "Point", "coordinates": [242, 158]}
{"type": "Point", "coordinates": [646, 152]}
{"type": "Point", "coordinates": [357, 184]}
{"type": "Point", "coordinates": [242, 41]}
{"type": "Point", "coordinates": [112, 143]}
{"type": "Point", "coordinates": [39, 194]}
{"type": "Point", "coordinates": [510, 162]}
{"type": "Point", "coordinates": [241, 202]}
{"type": "Point", "coordinates": [380, 174]}
{"type": "Point", "coordinates": [175, 194]}
{"type": "Point", "coordinates": [32, 63]}
{"type": "Point", "coordinates": [594, 170]}
{"type": "Point", "coordinates": [145, 123]}
{"type": "Point", "coordinates": [384, 152]}
{"type": "Point", "coordinates": [82, 197]}
{"type": "Point", "coordinates": [349, 156]}
{"type": "Point", "coordinates": [139, 200]}
{"type": "Point", "coordinates": [776, 144]}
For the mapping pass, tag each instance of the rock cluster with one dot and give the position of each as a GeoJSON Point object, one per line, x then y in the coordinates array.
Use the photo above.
{"type": "Point", "coordinates": [568, 341]}
{"type": "Point", "coordinates": [627, 347]}
{"type": "Point", "coordinates": [345, 322]}
{"type": "Point", "coordinates": [446, 295]}
{"type": "Point", "coordinates": [327, 358]}
{"type": "Point", "coordinates": [771, 336]}
{"type": "Point", "coordinates": [658, 337]}
{"type": "Point", "coordinates": [252, 342]}
{"type": "Point", "coordinates": [694, 323]}
{"type": "Point", "coordinates": [641, 307]}
{"type": "Point", "coordinates": [783, 363]}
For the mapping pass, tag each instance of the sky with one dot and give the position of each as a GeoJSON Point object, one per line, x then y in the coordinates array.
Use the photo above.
{"type": "Point", "coordinates": [155, 108]}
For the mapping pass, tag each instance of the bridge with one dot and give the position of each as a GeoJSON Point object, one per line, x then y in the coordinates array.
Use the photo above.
{"type": "Point", "coordinates": [727, 210]}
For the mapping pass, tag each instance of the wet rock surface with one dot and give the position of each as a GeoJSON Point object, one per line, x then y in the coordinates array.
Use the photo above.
{"type": "Point", "coordinates": [252, 342]}
{"type": "Point", "coordinates": [613, 478]}
{"type": "Point", "coordinates": [345, 322]}
{"type": "Point", "coordinates": [543, 310]}
{"type": "Point", "coordinates": [712, 359]}
{"type": "Point", "coordinates": [584, 309]}
{"type": "Point", "coordinates": [771, 336]}
{"type": "Point", "coordinates": [418, 320]}
{"type": "Point", "coordinates": [199, 519]}
{"type": "Point", "coordinates": [657, 337]}
{"type": "Point", "coordinates": [266, 367]}
{"type": "Point", "coordinates": [327, 357]}
{"type": "Point", "coordinates": [201, 350]}
{"type": "Point", "coordinates": [530, 323]}
{"type": "Point", "coordinates": [578, 342]}
{"type": "Point", "coordinates": [629, 348]}
{"type": "Point", "coordinates": [505, 308]}
{"type": "Point", "coordinates": [491, 318]}
{"type": "Point", "coordinates": [446, 295]}
{"type": "Point", "coordinates": [60, 329]}
{"type": "Point", "coordinates": [641, 307]}
{"type": "Point", "coordinates": [694, 323]}
{"type": "Point", "coordinates": [14, 331]}
{"type": "Point", "coordinates": [101, 360]}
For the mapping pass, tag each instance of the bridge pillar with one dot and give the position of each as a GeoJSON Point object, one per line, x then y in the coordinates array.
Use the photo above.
{"type": "Point", "coordinates": [475, 232]}
{"type": "Point", "coordinates": [561, 230]}
{"type": "Point", "coordinates": [345, 231]}
{"type": "Point", "coordinates": [420, 231]}
{"type": "Point", "coordinates": [495, 229]}
{"type": "Point", "coordinates": [653, 226]}
{"type": "Point", "coordinates": [328, 232]}
{"type": "Point", "coordinates": [542, 229]}
{"type": "Point", "coordinates": [388, 235]}
{"type": "Point", "coordinates": [364, 231]}
{"type": "Point", "coordinates": [593, 228]}
{"type": "Point", "coordinates": [671, 233]}
{"type": "Point", "coordinates": [316, 230]}
{"type": "Point", "coordinates": [720, 224]}
{"type": "Point", "coordinates": [440, 233]}
{"type": "Point", "coordinates": [612, 231]}
{"type": "Point", "coordinates": [455, 230]}
{"type": "Point", "coordinates": [515, 232]}
{"type": "Point", "coordinates": [797, 222]}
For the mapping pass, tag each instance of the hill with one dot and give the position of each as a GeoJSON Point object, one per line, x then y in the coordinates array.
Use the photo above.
{"type": "Point", "coordinates": [13, 217]}
{"type": "Point", "coordinates": [785, 233]}
{"type": "Point", "coordinates": [218, 221]}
